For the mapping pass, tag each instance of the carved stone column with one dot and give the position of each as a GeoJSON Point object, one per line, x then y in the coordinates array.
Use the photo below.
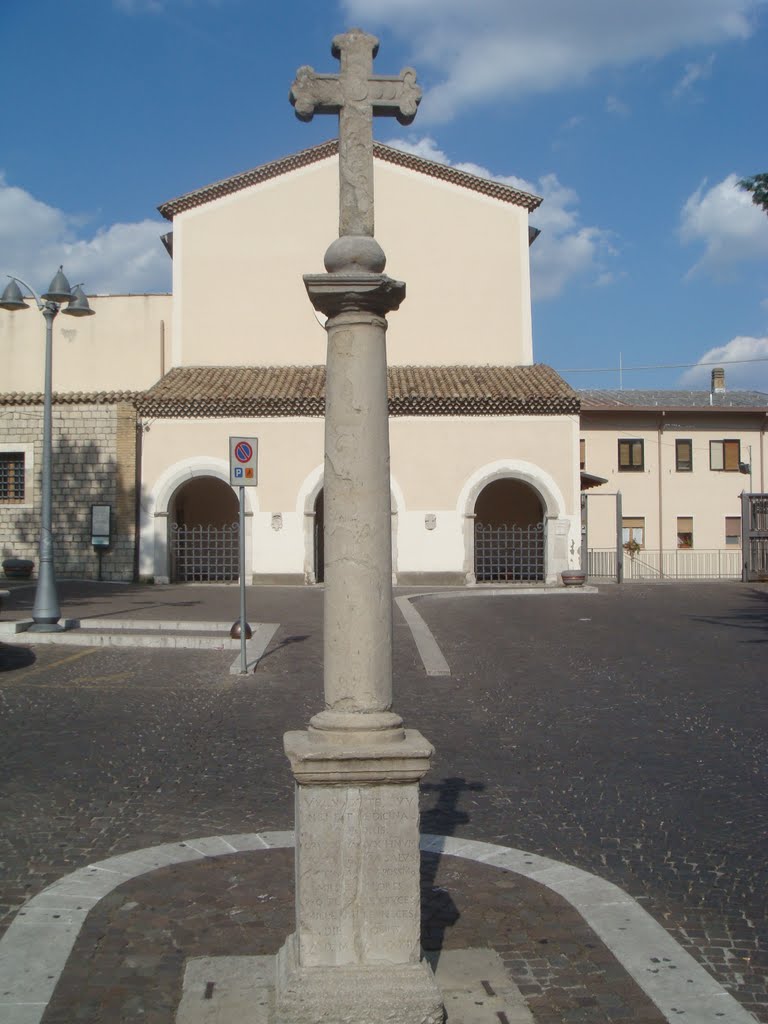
{"type": "Point", "coordinates": [355, 957]}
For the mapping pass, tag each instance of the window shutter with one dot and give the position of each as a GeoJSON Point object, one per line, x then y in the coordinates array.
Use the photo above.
{"type": "Point", "coordinates": [732, 454]}
{"type": "Point", "coordinates": [715, 454]}
{"type": "Point", "coordinates": [732, 529]}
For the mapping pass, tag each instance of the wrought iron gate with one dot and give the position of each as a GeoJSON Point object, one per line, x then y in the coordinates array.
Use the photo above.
{"type": "Point", "coordinates": [509, 554]}
{"type": "Point", "coordinates": [754, 535]}
{"type": "Point", "coordinates": [204, 554]}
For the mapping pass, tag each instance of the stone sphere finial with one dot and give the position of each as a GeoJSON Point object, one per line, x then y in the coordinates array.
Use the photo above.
{"type": "Point", "coordinates": [355, 254]}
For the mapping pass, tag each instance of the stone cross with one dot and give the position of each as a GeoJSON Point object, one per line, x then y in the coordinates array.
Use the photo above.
{"type": "Point", "coordinates": [356, 95]}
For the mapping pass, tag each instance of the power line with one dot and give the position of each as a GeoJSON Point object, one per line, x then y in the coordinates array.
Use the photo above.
{"type": "Point", "coordinates": [661, 366]}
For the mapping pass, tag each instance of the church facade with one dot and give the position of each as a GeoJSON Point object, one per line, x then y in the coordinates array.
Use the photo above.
{"type": "Point", "coordinates": [484, 442]}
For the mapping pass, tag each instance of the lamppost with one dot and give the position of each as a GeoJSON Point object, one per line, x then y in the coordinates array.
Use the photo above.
{"type": "Point", "coordinates": [46, 612]}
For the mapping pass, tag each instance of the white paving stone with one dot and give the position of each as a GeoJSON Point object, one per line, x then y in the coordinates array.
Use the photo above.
{"type": "Point", "coordinates": [211, 846]}
{"type": "Point", "coordinates": [246, 841]}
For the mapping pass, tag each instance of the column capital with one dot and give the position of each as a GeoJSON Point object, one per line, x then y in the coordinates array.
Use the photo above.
{"type": "Point", "coordinates": [333, 294]}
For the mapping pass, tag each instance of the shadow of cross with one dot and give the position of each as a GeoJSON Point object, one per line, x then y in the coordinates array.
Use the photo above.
{"type": "Point", "coordinates": [438, 911]}
{"type": "Point", "coordinates": [356, 95]}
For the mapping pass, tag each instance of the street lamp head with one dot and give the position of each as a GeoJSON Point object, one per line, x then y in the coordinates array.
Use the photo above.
{"type": "Point", "coordinates": [78, 305]}
{"type": "Point", "coordinates": [12, 298]}
{"type": "Point", "coordinates": [59, 289]}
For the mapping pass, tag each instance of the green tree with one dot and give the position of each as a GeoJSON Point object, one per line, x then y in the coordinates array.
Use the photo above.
{"type": "Point", "coordinates": [758, 186]}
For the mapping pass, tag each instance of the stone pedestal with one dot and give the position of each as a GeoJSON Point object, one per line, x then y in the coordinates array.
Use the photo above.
{"type": "Point", "coordinates": [355, 957]}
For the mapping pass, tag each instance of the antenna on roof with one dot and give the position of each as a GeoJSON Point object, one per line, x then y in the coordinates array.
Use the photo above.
{"type": "Point", "coordinates": [621, 373]}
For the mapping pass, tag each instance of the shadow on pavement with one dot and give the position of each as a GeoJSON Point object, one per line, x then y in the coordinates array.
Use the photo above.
{"type": "Point", "coordinates": [12, 657]}
{"type": "Point", "coordinates": [756, 618]}
{"type": "Point", "coordinates": [438, 911]}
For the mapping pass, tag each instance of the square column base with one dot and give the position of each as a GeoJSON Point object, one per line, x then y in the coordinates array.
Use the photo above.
{"type": "Point", "coordinates": [355, 994]}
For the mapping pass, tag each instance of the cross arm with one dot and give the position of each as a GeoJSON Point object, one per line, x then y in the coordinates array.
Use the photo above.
{"type": "Point", "coordinates": [312, 93]}
{"type": "Point", "coordinates": [395, 95]}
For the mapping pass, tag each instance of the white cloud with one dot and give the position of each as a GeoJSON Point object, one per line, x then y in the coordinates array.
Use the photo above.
{"type": "Point", "coordinates": [732, 229]}
{"type": "Point", "coordinates": [613, 105]}
{"type": "Point", "coordinates": [139, 6]}
{"type": "Point", "coordinates": [565, 249]}
{"type": "Point", "coordinates": [497, 50]}
{"type": "Point", "coordinates": [748, 375]}
{"type": "Point", "coordinates": [35, 238]}
{"type": "Point", "coordinates": [694, 72]}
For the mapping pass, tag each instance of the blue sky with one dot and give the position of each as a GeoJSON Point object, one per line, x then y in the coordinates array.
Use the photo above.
{"type": "Point", "coordinates": [633, 120]}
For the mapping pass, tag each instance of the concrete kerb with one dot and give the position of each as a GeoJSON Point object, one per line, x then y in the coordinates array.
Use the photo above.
{"type": "Point", "coordinates": [157, 633]}
{"type": "Point", "coordinates": [35, 948]}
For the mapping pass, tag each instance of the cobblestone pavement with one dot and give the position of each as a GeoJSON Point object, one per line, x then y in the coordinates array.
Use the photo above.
{"type": "Point", "coordinates": [623, 733]}
{"type": "Point", "coordinates": [620, 732]}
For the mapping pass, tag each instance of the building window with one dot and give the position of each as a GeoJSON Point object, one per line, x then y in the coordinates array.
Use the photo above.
{"type": "Point", "coordinates": [684, 455]}
{"type": "Point", "coordinates": [633, 533]}
{"type": "Point", "coordinates": [582, 454]}
{"type": "Point", "coordinates": [631, 458]}
{"type": "Point", "coordinates": [11, 476]}
{"type": "Point", "coordinates": [725, 455]}
{"type": "Point", "coordinates": [685, 531]}
{"type": "Point", "coordinates": [732, 530]}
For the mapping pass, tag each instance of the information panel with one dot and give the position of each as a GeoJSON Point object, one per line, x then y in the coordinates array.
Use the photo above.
{"type": "Point", "coordinates": [101, 517]}
{"type": "Point", "coordinates": [243, 461]}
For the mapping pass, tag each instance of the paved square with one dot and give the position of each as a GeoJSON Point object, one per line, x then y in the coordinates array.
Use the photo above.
{"type": "Point", "coordinates": [624, 734]}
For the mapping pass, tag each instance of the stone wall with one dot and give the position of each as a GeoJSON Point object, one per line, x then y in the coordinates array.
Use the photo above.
{"type": "Point", "coordinates": [94, 462]}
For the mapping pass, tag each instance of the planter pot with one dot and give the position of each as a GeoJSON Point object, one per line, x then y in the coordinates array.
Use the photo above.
{"type": "Point", "coordinates": [573, 578]}
{"type": "Point", "coordinates": [18, 568]}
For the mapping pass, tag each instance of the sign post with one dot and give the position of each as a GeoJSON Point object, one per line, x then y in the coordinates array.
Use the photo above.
{"type": "Point", "coordinates": [101, 532]}
{"type": "Point", "coordinates": [243, 472]}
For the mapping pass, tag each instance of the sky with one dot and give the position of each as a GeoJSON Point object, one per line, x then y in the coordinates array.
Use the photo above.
{"type": "Point", "coordinates": [634, 122]}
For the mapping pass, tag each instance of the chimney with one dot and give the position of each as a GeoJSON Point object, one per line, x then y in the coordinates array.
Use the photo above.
{"type": "Point", "coordinates": [718, 381]}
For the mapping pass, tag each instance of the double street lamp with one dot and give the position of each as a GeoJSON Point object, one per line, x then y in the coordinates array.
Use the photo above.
{"type": "Point", "coordinates": [46, 611]}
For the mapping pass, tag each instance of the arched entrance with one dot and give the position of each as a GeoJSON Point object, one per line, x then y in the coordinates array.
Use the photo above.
{"type": "Point", "coordinates": [204, 533]}
{"type": "Point", "coordinates": [509, 533]}
{"type": "Point", "coordinates": [318, 547]}
{"type": "Point", "coordinates": [314, 513]}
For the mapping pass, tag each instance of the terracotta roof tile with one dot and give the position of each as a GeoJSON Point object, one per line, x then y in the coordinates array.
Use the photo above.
{"type": "Point", "coordinates": [68, 397]}
{"type": "Point", "coordinates": [593, 399]}
{"type": "Point", "coordinates": [211, 391]}
{"type": "Point", "coordinates": [225, 187]}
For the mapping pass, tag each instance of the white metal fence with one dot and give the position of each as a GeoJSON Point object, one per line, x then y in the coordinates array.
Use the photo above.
{"type": "Point", "coordinates": [674, 564]}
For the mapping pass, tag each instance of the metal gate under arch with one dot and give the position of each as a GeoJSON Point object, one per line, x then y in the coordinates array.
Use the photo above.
{"type": "Point", "coordinates": [509, 554]}
{"type": "Point", "coordinates": [754, 531]}
{"type": "Point", "coordinates": [205, 554]}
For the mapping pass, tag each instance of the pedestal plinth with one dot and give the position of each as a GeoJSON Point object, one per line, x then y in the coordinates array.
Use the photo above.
{"type": "Point", "coordinates": [355, 957]}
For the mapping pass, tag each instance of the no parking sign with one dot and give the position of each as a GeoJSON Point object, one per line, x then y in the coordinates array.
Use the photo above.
{"type": "Point", "coordinates": [243, 460]}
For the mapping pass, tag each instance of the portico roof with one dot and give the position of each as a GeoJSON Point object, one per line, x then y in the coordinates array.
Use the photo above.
{"type": "Point", "coordinates": [214, 391]}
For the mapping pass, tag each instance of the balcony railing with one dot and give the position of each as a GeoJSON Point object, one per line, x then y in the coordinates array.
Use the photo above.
{"type": "Point", "coordinates": [674, 564]}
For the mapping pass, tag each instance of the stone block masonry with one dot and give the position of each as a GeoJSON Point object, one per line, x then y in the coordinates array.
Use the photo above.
{"type": "Point", "coordinates": [94, 462]}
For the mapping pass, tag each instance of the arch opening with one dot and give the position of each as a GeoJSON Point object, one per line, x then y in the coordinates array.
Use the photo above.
{"type": "Point", "coordinates": [509, 533]}
{"type": "Point", "coordinates": [204, 541]}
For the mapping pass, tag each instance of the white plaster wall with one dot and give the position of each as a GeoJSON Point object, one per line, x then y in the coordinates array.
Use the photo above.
{"type": "Point", "coordinates": [117, 349]}
{"type": "Point", "coordinates": [463, 256]}
{"type": "Point", "coordinates": [438, 467]}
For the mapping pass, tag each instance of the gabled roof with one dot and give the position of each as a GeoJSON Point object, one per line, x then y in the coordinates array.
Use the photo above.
{"type": "Point", "coordinates": [495, 189]}
{"type": "Point", "coordinates": [659, 400]}
{"type": "Point", "coordinates": [211, 391]}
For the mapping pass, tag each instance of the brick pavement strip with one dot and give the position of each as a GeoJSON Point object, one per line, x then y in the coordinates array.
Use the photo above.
{"type": "Point", "coordinates": [622, 734]}
{"type": "Point", "coordinates": [128, 961]}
